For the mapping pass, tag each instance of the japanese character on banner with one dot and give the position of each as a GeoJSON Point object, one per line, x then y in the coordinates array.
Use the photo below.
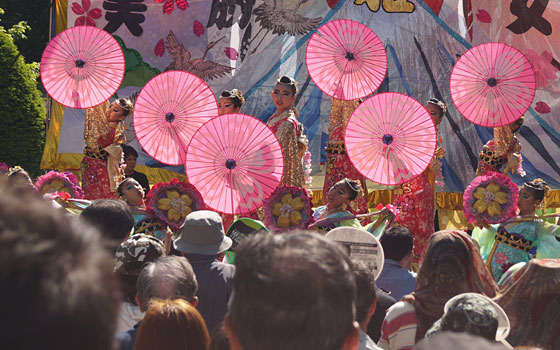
{"type": "Point", "coordinates": [529, 16]}
{"type": "Point", "coordinates": [222, 13]}
{"type": "Point", "coordinates": [127, 12]}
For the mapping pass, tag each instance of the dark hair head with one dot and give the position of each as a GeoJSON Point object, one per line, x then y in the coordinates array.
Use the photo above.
{"type": "Point", "coordinates": [355, 188]}
{"type": "Point", "coordinates": [288, 81]}
{"type": "Point", "coordinates": [56, 277]}
{"type": "Point", "coordinates": [129, 151]}
{"type": "Point", "coordinates": [365, 290]}
{"type": "Point", "coordinates": [126, 105]}
{"type": "Point", "coordinates": [538, 187]}
{"type": "Point", "coordinates": [111, 217]}
{"type": "Point", "coordinates": [304, 285]}
{"type": "Point", "coordinates": [172, 324]}
{"type": "Point", "coordinates": [397, 242]}
{"type": "Point", "coordinates": [235, 95]}
{"type": "Point", "coordinates": [440, 104]}
{"type": "Point", "coordinates": [169, 277]}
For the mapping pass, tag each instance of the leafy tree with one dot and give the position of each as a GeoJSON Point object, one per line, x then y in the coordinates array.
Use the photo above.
{"type": "Point", "coordinates": [22, 109]}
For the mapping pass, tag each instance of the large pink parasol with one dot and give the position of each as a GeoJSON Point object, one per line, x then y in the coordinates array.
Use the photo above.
{"type": "Point", "coordinates": [236, 162]}
{"type": "Point", "coordinates": [390, 138]}
{"type": "Point", "coordinates": [168, 111]}
{"type": "Point", "coordinates": [82, 67]}
{"type": "Point", "coordinates": [346, 60]}
{"type": "Point", "coordinates": [492, 84]}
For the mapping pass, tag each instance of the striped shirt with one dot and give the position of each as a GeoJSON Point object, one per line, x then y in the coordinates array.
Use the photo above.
{"type": "Point", "coordinates": [398, 331]}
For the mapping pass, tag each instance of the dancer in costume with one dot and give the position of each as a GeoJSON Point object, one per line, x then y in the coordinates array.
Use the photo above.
{"type": "Point", "coordinates": [416, 199]}
{"type": "Point", "coordinates": [504, 149]}
{"type": "Point", "coordinates": [285, 126]}
{"type": "Point", "coordinates": [522, 239]}
{"type": "Point", "coordinates": [103, 135]}
{"type": "Point", "coordinates": [338, 164]}
{"type": "Point", "coordinates": [335, 213]}
{"type": "Point", "coordinates": [231, 101]}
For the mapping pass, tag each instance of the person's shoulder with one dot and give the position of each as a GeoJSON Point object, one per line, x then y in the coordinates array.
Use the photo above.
{"type": "Point", "coordinates": [399, 309]}
{"type": "Point", "coordinates": [127, 339]}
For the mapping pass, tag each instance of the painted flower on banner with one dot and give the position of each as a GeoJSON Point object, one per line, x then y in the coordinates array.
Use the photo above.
{"type": "Point", "coordinates": [169, 5]}
{"type": "Point", "coordinates": [231, 53]}
{"type": "Point", "coordinates": [198, 28]}
{"type": "Point", "coordinates": [483, 16]}
{"type": "Point", "coordinates": [542, 107]}
{"type": "Point", "coordinates": [87, 16]}
{"type": "Point", "coordinates": [159, 49]}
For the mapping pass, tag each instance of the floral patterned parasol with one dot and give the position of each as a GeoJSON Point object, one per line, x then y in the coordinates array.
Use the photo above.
{"type": "Point", "coordinates": [172, 201]}
{"type": "Point", "coordinates": [490, 199]}
{"type": "Point", "coordinates": [288, 208]}
{"type": "Point", "coordinates": [54, 181]}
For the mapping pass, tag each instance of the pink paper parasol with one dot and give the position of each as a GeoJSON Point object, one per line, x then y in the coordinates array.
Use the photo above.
{"type": "Point", "coordinates": [82, 67]}
{"type": "Point", "coordinates": [168, 111]}
{"type": "Point", "coordinates": [236, 162]}
{"type": "Point", "coordinates": [492, 84]}
{"type": "Point", "coordinates": [390, 138]}
{"type": "Point", "coordinates": [346, 60]}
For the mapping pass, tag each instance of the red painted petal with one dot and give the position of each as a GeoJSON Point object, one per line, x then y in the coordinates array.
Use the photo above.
{"type": "Point", "coordinates": [95, 13]}
{"type": "Point", "coordinates": [332, 3]}
{"type": "Point", "coordinates": [483, 16]}
{"type": "Point", "coordinates": [542, 108]}
{"type": "Point", "coordinates": [77, 9]}
{"type": "Point", "coordinates": [80, 21]}
{"type": "Point", "coordinates": [90, 22]}
{"type": "Point", "coordinates": [168, 7]}
{"type": "Point", "coordinates": [198, 28]}
{"type": "Point", "coordinates": [159, 49]}
{"type": "Point", "coordinates": [182, 4]}
{"type": "Point", "coordinates": [86, 4]}
{"type": "Point", "coordinates": [231, 53]}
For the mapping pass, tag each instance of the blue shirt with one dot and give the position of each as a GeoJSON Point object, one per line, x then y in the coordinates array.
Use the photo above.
{"type": "Point", "coordinates": [395, 279]}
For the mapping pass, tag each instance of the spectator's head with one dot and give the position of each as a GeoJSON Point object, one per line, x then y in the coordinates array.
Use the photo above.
{"type": "Point", "coordinates": [297, 290]}
{"type": "Point", "coordinates": [366, 296]}
{"type": "Point", "coordinates": [474, 314]}
{"type": "Point", "coordinates": [58, 288]}
{"type": "Point", "coordinates": [219, 339]}
{"type": "Point", "coordinates": [172, 324]}
{"type": "Point", "coordinates": [203, 234]}
{"type": "Point", "coordinates": [111, 217]}
{"type": "Point", "coordinates": [19, 181]}
{"type": "Point", "coordinates": [397, 245]}
{"type": "Point", "coordinates": [130, 156]}
{"type": "Point", "coordinates": [458, 341]}
{"type": "Point", "coordinates": [169, 277]}
{"type": "Point", "coordinates": [451, 266]}
{"type": "Point", "coordinates": [131, 256]}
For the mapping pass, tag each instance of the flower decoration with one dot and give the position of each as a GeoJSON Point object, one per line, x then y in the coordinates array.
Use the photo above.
{"type": "Point", "coordinates": [4, 168]}
{"type": "Point", "coordinates": [288, 208]}
{"type": "Point", "coordinates": [172, 201]}
{"type": "Point", "coordinates": [86, 17]}
{"type": "Point", "coordinates": [151, 226]}
{"type": "Point", "coordinates": [490, 199]}
{"type": "Point", "coordinates": [54, 181]}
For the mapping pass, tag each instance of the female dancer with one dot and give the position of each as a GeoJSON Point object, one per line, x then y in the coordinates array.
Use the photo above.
{"type": "Point", "coordinates": [338, 164]}
{"type": "Point", "coordinates": [231, 101]}
{"type": "Point", "coordinates": [504, 245]}
{"type": "Point", "coordinates": [416, 199]}
{"type": "Point", "coordinates": [335, 213]}
{"type": "Point", "coordinates": [504, 149]}
{"type": "Point", "coordinates": [285, 126]}
{"type": "Point", "coordinates": [104, 132]}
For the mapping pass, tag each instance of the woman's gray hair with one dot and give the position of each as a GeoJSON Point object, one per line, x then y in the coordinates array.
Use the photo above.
{"type": "Point", "coordinates": [169, 277]}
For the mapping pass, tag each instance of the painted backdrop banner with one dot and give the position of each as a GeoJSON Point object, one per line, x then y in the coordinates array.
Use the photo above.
{"type": "Point", "coordinates": [248, 44]}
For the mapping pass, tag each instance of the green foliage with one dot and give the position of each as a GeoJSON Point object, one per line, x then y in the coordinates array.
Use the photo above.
{"type": "Point", "coordinates": [22, 109]}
